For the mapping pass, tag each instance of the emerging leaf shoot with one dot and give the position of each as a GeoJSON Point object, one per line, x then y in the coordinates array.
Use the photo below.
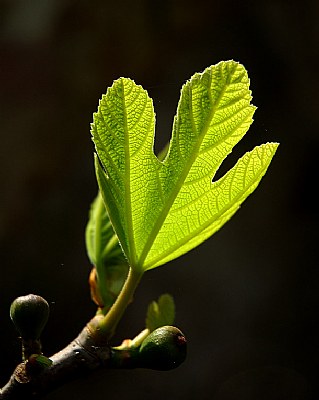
{"type": "Point", "coordinates": [106, 256]}
{"type": "Point", "coordinates": [162, 209]}
{"type": "Point", "coordinates": [160, 313]}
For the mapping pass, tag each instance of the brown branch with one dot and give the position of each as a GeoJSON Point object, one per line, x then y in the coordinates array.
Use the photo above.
{"type": "Point", "coordinates": [79, 358]}
{"type": "Point", "coordinates": [163, 349]}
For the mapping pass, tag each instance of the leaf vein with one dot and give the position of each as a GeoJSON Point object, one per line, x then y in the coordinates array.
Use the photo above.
{"type": "Point", "coordinates": [205, 225]}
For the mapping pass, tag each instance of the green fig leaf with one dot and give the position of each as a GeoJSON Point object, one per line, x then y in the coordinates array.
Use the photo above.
{"type": "Point", "coordinates": [162, 209]}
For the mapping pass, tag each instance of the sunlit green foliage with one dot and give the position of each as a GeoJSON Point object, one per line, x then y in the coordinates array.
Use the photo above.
{"type": "Point", "coordinates": [162, 209]}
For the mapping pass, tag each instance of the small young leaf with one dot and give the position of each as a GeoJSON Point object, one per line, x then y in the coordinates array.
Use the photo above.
{"type": "Point", "coordinates": [101, 242]}
{"type": "Point", "coordinates": [160, 313]}
{"type": "Point", "coordinates": [105, 253]}
{"type": "Point", "coordinates": [162, 209]}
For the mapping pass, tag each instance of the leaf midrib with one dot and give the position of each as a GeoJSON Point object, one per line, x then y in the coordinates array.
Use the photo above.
{"type": "Point", "coordinates": [127, 183]}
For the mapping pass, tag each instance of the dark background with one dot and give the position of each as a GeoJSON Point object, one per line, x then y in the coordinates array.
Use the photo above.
{"type": "Point", "coordinates": [247, 299]}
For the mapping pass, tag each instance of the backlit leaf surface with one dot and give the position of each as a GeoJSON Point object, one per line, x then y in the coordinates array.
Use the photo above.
{"type": "Point", "coordinates": [162, 209]}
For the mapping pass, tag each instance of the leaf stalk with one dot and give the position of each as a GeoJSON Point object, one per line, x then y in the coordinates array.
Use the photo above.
{"type": "Point", "coordinates": [104, 327]}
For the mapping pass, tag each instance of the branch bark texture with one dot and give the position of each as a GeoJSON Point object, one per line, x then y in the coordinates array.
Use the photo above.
{"type": "Point", "coordinates": [79, 358]}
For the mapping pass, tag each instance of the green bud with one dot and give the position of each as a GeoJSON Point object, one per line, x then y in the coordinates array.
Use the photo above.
{"type": "Point", "coordinates": [40, 361]}
{"type": "Point", "coordinates": [29, 315]}
{"type": "Point", "coordinates": [163, 349]}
